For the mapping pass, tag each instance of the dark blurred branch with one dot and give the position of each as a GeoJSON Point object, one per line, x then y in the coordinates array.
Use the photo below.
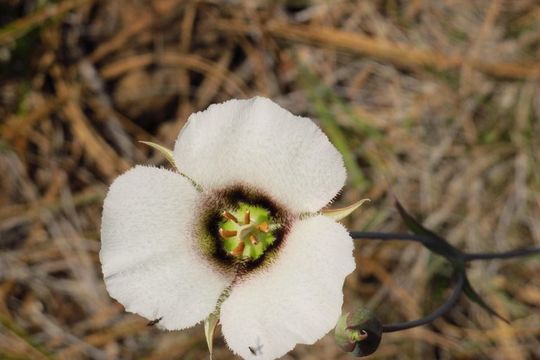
{"type": "Point", "coordinates": [19, 27]}
{"type": "Point", "coordinates": [398, 54]}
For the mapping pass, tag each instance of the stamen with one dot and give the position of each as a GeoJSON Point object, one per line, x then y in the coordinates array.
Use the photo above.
{"type": "Point", "coordinates": [237, 251]}
{"type": "Point", "coordinates": [229, 216]}
{"type": "Point", "coordinates": [263, 227]}
{"type": "Point", "coordinates": [227, 233]}
{"type": "Point", "coordinates": [244, 237]}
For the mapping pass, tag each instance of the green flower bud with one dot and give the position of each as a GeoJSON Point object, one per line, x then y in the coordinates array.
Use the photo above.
{"type": "Point", "coordinates": [358, 333]}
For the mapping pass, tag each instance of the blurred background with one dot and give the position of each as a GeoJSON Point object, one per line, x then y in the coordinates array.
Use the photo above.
{"type": "Point", "coordinates": [437, 100]}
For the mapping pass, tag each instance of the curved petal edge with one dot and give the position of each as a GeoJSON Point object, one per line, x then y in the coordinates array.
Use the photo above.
{"type": "Point", "coordinates": [257, 143]}
{"type": "Point", "coordinates": [148, 254]}
{"type": "Point", "coordinates": [297, 299]}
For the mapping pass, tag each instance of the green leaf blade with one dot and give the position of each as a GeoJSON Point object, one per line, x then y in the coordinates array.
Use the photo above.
{"type": "Point", "coordinates": [210, 325]}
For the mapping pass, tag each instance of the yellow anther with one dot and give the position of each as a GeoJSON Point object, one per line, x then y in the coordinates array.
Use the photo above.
{"type": "Point", "coordinates": [227, 233]}
{"type": "Point", "coordinates": [263, 227]}
{"type": "Point", "coordinates": [229, 216]}
{"type": "Point", "coordinates": [237, 251]}
{"type": "Point", "coordinates": [244, 237]}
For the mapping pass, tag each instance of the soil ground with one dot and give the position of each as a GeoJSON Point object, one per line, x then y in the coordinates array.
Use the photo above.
{"type": "Point", "coordinates": [437, 101]}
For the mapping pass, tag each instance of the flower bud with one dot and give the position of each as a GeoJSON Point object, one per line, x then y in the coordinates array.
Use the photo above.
{"type": "Point", "coordinates": [358, 333]}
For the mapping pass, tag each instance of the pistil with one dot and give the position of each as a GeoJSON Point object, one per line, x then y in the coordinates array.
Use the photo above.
{"type": "Point", "coordinates": [249, 238]}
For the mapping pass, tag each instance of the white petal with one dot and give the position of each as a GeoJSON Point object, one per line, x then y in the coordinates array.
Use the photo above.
{"type": "Point", "coordinates": [297, 299]}
{"type": "Point", "coordinates": [148, 253]}
{"type": "Point", "coordinates": [257, 142]}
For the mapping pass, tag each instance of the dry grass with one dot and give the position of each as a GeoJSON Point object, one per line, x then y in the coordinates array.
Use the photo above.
{"type": "Point", "coordinates": [437, 100]}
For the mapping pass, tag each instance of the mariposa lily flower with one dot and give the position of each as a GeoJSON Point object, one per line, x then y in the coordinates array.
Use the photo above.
{"type": "Point", "coordinates": [235, 233]}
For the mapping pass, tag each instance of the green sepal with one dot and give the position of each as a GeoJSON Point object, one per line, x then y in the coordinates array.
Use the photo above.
{"type": "Point", "coordinates": [340, 213]}
{"type": "Point", "coordinates": [210, 325]}
{"type": "Point", "coordinates": [358, 333]}
{"type": "Point", "coordinates": [168, 154]}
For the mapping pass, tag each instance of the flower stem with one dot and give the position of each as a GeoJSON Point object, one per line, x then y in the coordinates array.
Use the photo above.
{"type": "Point", "coordinates": [503, 255]}
{"type": "Point", "coordinates": [367, 235]}
{"type": "Point", "coordinates": [443, 309]}
{"type": "Point", "coordinates": [458, 263]}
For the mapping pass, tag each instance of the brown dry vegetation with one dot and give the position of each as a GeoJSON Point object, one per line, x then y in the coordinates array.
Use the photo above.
{"type": "Point", "coordinates": [438, 100]}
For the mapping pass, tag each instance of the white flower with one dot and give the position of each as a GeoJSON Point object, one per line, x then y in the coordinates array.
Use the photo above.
{"type": "Point", "coordinates": [162, 253]}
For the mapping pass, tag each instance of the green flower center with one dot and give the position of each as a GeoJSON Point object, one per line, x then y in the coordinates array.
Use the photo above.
{"type": "Point", "coordinates": [247, 231]}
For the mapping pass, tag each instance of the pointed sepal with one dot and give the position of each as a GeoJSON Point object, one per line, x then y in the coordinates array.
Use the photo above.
{"type": "Point", "coordinates": [473, 296]}
{"type": "Point", "coordinates": [440, 246]}
{"type": "Point", "coordinates": [168, 154]}
{"type": "Point", "coordinates": [210, 325]}
{"type": "Point", "coordinates": [432, 241]}
{"type": "Point", "coordinates": [340, 213]}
